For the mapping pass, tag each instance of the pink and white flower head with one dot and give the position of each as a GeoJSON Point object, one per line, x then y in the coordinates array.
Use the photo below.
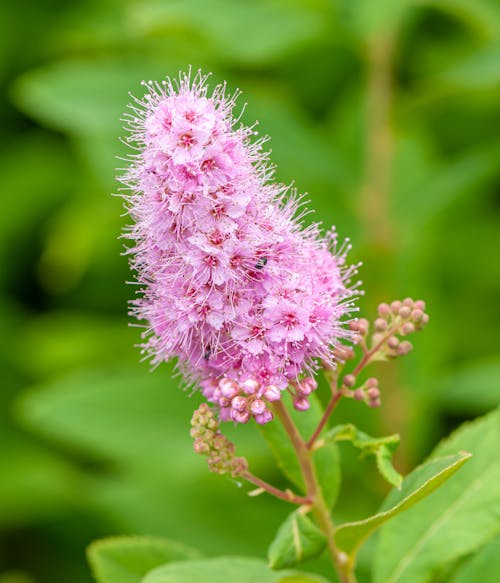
{"type": "Point", "coordinates": [232, 286]}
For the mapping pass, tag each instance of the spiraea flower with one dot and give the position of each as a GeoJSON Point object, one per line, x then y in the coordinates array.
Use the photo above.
{"type": "Point", "coordinates": [233, 287]}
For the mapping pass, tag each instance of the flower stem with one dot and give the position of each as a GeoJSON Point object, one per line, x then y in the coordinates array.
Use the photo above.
{"type": "Point", "coordinates": [328, 411]}
{"type": "Point", "coordinates": [320, 509]}
{"type": "Point", "coordinates": [286, 495]}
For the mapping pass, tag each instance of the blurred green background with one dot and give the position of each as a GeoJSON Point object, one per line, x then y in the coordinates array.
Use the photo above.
{"type": "Point", "coordinates": [387, 112]}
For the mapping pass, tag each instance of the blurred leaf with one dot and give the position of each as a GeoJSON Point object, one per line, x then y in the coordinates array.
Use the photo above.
{"type": "Point", "coordinates": [378, 18]}
{"type": "Point", "coordinates": [380, 447]}
{"type": "Point", "coordinates": [471, 388]}
{"type": "Point", "coordinates": [416, 486]}
{"type": "Point", "coordinates": [56, 342]}
{"type": "Point", "coordinates": [480, 15]}
{"type": "Point", "coordinates": [127, 559]}
{"type": "Point", "coordinates": [326, 460]}
{"type": "Point", "coordinates": [483, 567]}
{"type": "Point", "coordinates": [39, 484]}
{"type": "Point", "coordinates": [456, 520]}
{"type": "Point", "coordinates": [480, 71]}
{"type": "Point", "coordinates": [297, 540]}
{"type": "Point", "coordinates": [227, 569]}
{"type": "Point", "coordinates": [244, 32]}
{"type": "Point", "coordinates": [16, 577]}
{"type": "Point", "coordinates": [120, 414]}
{"type": "Point", "coordinates": [422, 187]}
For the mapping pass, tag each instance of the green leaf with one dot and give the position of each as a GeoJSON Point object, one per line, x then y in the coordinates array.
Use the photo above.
{"type": "Point", "coordinates": [483, 567]}
{"type": "Point", "coordinates": [326, 459]}
{"type": "Point", "coordinates": [471, 388]}
{"type": "Point", "coordinates": [115, 413]}
{"type": "Point", "coordinates": [463, 515]}
{"type": "Point", "coordinates": [416, 486]}
{"type": "Point", "coordinates": [297, 540]}
{"type": "Point", "coordinates": [381, 448]}
{"type": "Point", "coordinates": [240, 31]}
{"type": "Point", "coordinates": [127, 559]}
{"type": "Point", "coordinates": [228, 570]}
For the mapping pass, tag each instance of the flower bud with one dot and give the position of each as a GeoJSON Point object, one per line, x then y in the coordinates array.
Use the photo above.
{"type": "Point", "coordinates": [359, 394]}
{"type": "Point", "coordinates": [349, 380]}
{"type": "Point", "coordinates": [395, 307]}
{"type": "Point", "coordinates": [380, 325]}
{"type": "Point", "coordinates": [301, 404]}
{"type": "Point", "coordinates": [250, 386]}
{"type": "Point", "coordinates": [371, 382]}
{"type": "Point", "coordinates": [228, 388]}
{"type": "Point", "coordinates": [264, 417]}
{"type": "Point", "coordinates": [404, 348]}
{"type": "Point", "coordinates": [407, 328]}
{"type": "Point", "coordinates": [239, 403]}
{"type": "Point", "coordinates": [405, 312]}
{"type": "Point", "coordinates": [258, 407]}
{"type": "Point", "coordinates": [408, 302]}
{"type": "Point", "coordinates": [393, 342]}
{"type": "Point", "coordinates": [373, 393]}
{"type": "Point", "coordinates": [384, 310]}
{"type": "Point", "coordinates": [272, 393]}
{"type": "Point", "coordinates": [240, 416]}
{"type": "Point", "coordinates": [375, 403]}
{"type": "Point", "coordinates": [363, 326]}
{"type": "Point", "coordinates": [417, 315]}
{"type": "Point", "coordinates": [419, 305]}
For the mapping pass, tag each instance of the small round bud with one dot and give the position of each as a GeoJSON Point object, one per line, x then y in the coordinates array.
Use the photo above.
{"type": "Point", "coordinates": [354, 325]}
{"type": "Point", "coordinates": [373, 393]}
{"type": "Point", "coordinates": [228, 387]}
{"type": "Point", "coordinates": [395, 307]}
{"type": "Point", "coordinates": [349, 380]}
{"type": "Point", "coordinates": [224, 402]}
{"type": "Point", "coordinates": [425, 319]}
{"type": "Point", "coordinates": [359, 395]}
{"type": "Point", "coordinates": [371, 382]}
{"type": "Point", "coordinates": [419, 305]}
{"type": "Point", "coordinates": [405, 312]}
{"type": "Point", "coordinates": [264, 418]}
{"type": "Point", "coordinates": [272, 393]}
{"type": "Point", "coordinates": [417, 315]}
{"type": "Point", "coordinates": [408, 302]}
{"type": "Point", "coordinates": [240, 416]}
{"type": "Point", "coordinates": [384, 310]}
{"type": "Point", "coordinates": [258, 407]}
{"type": "Point", "coordinates": [393, 342]}
{"type": "Point", "coordinates": [239, 403]}
{"type": "Point", "coordinates": [380, 325]}
{"type": "Point", "coordinates": [407, 328]}
{"type": "Point", "coordinates": [250, 386]}
{"type": "Point", "coordinates": [200, 446]}
{"type": "Point", "coordinates": [364, 325]}
{"type": "Point", "coordinates": [405, 347]}
{"type": "Point", "coordinates": [301, 404]}
{"type": "Point", "coordinates": [375, 403]}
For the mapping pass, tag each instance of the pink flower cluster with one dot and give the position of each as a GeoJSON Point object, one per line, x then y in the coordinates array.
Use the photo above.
{"type": "Point", "coordinates": [246, 300]}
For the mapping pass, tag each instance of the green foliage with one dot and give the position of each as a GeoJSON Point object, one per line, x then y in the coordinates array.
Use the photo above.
{"type": "Point", "coordinates": [382, 448]}
{"type": "Point", "coordinates": [483, 566]}
{"type": "Point", "coordinates": [128, 559]}
{"type": "Point", "coordinates": [456, 520]}
{"type": "Point", "coordinates": [297, 540]}
{"type": "Point", "coordinates": [227, 569]}
{"type": "Point", "coordinates": [416, 486]}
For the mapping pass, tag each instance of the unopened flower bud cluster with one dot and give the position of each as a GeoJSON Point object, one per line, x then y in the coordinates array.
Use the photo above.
{"type": "Point", "coordinates": [209, 441]}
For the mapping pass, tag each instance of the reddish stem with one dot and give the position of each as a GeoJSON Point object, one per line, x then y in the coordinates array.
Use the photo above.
{"type": "Point", "coordinates": [287, 496]}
